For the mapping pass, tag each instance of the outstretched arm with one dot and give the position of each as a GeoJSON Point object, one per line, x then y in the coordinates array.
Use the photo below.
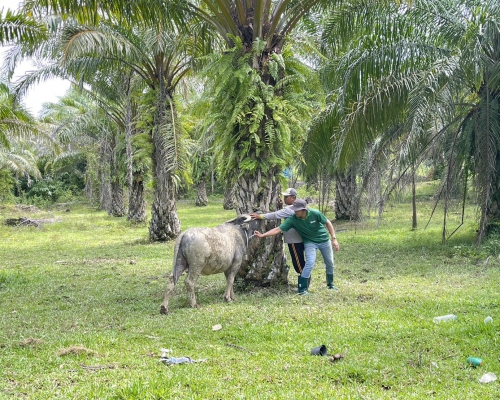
{"type": "Point", "coordinates": [272, 232]}
{"type": "Point", "coordinates": [283, 213]}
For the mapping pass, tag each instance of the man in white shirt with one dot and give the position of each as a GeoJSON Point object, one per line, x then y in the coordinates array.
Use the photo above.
{"type": "Point", "coordinates": [291, 237]}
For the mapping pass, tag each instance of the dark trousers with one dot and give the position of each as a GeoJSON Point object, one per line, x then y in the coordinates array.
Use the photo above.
{"type": "Point", "coordinates": [297, 254]}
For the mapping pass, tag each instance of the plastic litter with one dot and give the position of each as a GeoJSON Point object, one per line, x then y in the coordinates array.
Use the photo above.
{"type": "Point", "coordinates": [180, 360]}
{"type": "Point", "coordinates": [175, 360]}
{"type": "Point", "coordinates": [319, 351]}
{"type": "Point", "coordinates": [165, 351]}
{"type": "Point", "coordinates": [217, 327]}
{"type": "Point", "coordinates": [474, 361]}
{"type": "Point", "coordinates": [487, 378]}
{"type": "Point", "coordinates": [443, 318]}
{"type": "Point", "coordinates": [488, 320]}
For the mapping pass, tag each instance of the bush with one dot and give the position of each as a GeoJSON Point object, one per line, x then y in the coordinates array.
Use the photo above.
{"type": "Point", "coordinates": [48, 191]}
{"type": "Point", "coordinates": [6, 186]}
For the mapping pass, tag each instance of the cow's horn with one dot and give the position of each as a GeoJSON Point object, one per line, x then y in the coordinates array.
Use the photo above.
{"type": "Point", "coordinates": [248, 218]}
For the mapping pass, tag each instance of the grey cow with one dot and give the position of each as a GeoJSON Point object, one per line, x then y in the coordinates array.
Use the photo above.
{"type": "Point", "coordinates": [209, 251]}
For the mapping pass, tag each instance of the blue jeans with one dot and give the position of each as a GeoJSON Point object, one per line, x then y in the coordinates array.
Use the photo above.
{"type": "Point", "coordinates": [326, 252]}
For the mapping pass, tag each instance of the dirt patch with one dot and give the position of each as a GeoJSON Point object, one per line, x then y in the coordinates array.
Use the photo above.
{"type": "Point", "coordinates": [30, 342]}
{"type": "Point", "coordinates": [76, 350]}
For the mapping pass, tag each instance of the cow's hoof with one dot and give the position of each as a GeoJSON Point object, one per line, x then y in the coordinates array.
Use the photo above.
{"type": "Point", "coordinates": [163, 310]}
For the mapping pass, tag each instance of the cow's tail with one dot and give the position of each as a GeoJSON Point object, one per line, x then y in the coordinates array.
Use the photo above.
{"type": "Point", "coordinates": [180, 262]}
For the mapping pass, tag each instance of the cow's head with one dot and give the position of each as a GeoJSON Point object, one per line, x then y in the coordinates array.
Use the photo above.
{"type": "Point", "coordinates": [246, 223]}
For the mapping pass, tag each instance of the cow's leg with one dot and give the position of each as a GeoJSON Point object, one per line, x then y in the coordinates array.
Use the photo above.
{"type": "Point", "coordinates": [190, 282]}
{"type": "Point", "coordinates": [168, 294]}
{"type": "Point", "coordinates": [230, 275]}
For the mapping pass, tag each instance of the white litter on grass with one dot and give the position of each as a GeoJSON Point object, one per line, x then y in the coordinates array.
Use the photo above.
{"type": "Point", "coordinates": [164, 352]}
{"type": "Point", "coordinates": [487, 378]}
{"type": "Point", "coordinates": [217, 327]}
{"type": "Point", "coordinates": [180, 360]}
{"type": "Point", "coordinates": [488, 320]}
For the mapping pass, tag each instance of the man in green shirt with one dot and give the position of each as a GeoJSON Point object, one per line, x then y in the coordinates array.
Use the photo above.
{"type": "Point", "coordinates": [315, 230]}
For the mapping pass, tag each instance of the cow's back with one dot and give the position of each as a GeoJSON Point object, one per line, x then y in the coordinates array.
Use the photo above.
{"type": "Point", "coordinates": [212, 250]}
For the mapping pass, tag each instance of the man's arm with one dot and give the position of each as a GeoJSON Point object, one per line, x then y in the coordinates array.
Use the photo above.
{"type": "Point", "coordinates": [283, 213]}
{"type": "Point", "coordinates": [335, 243]}
{"type": "Point", "coordinates": [272, 232]}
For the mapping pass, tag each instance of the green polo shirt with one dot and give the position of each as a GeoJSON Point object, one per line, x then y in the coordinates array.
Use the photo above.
{"type": "Point", "coordinates": [312, 228]}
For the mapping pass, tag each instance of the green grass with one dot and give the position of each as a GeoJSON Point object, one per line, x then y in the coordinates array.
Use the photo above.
{"type": "Point", "coordinates": [80, 298]}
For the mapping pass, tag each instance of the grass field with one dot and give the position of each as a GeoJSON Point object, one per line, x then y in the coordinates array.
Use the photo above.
{"type": "Point", "coordinates": [80, 299]}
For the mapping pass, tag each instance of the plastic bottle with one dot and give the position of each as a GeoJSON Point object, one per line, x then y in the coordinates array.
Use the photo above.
{"type": "Point", "coordinates": [474, 362]}
{"type": "Point", "coordinates": [443, 318]}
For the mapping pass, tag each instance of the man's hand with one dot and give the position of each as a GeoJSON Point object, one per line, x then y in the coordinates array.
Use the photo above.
{"type": "Point", "coordinates": [335, 244]}
{"type": "Point", "coordinates": [258, 234]}
{"type": "Point", "coordinates": [255, 216]}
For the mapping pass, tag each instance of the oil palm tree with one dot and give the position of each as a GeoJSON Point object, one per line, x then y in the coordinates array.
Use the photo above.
{"type": "Point", "coordinates": [81, 126]}
{"type": "Point", "coordinates": [158, 58]}
{"type": "Point", "coordinates": [261, 107]}
{"type": "Point", "coordinates": [17, 126]}
{"type": "Point", "coordinates": [434, 69]}
{"type": "Point", "coordinates": [21, 28]}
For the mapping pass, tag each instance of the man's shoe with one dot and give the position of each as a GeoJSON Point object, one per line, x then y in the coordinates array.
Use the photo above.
{"type": "Point", "coordinates": [302, 285]}
{"type": "Point", "coordinates": [329, 282]}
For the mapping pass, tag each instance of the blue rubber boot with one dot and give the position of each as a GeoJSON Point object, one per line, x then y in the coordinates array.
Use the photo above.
{"type": "Point", "coordinates": [303, 283]}
{"type": "Point", "coordinates": [329, 282]}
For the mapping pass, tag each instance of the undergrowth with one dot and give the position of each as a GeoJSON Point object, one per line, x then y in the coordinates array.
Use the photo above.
{"type": "Point", "coordinates": [80, 318]}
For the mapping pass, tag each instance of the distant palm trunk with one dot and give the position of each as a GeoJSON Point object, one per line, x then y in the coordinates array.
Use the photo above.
{"type": "Point", "coordinates": [201, 194]}
{"type": "Point", "coordinates": [345, 196]}
{"type": "Point", "coordinates": [117, 206]}
{"type": "Point", "coordinates": [105, 197]}
{"type": "Point", "coordinates": [117, 199]}
{"type": "Point", "coordinates": [414, 201]}
{"type": "Point", "coordinates": [165, 224]}
{"type": "Point", "coordinates": [229, 198]}
{"type": "Point", "coordinates": [137, 204]}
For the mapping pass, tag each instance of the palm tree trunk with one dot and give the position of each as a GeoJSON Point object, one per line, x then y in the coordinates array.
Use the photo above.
{"type": "Point", "coordinates": [345, 196]}
{"type": "Point", "coordinates": [490, 217]}
{"type": "Point", "coordinates": [414, 201]}
{"type": "Point", "coordinates": [229, 198]}
{"type": "Point", "coordinates": [265, 262]}
{"type": "Point", "coordinates": [117, 199]}
{"type": "Point", "coordinates": [105, 198]}
{"type": "Point", "coordinates": [165, 224]}
{"type": "Point", "coordinates": [324, 188]}
{"type": "Point", "coordinates": [201, 194]}
{"type": "Point", "coordinates": [137, 204]}
{"type": "Point", "coordinates": [117, 206]}
{"type": "Point", "coordinates": [104, 175]}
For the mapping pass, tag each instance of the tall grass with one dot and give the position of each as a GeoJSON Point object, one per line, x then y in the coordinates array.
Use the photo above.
{"type": "Point", "coordinates": [80, 298]}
